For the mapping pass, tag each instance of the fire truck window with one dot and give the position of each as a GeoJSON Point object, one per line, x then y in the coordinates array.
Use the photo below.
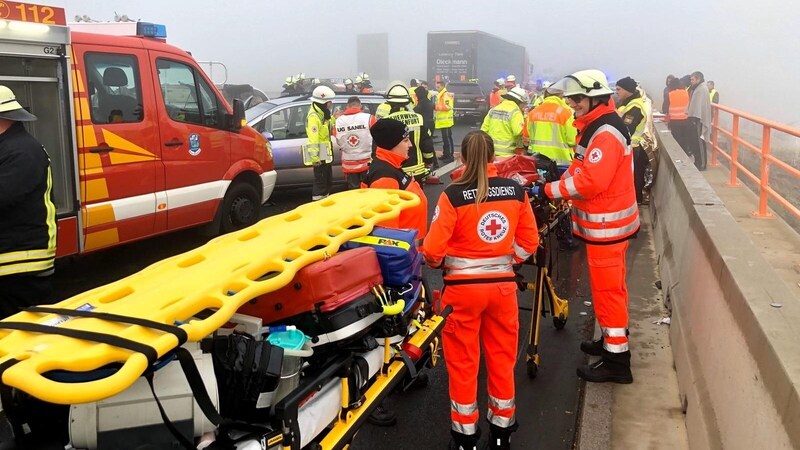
{"type": "Point", "coordinates": [210, 105]}
{"type": "Point", "coordinates": [179, 91]}
{"type": "Point", "coordinates": [115, 93]}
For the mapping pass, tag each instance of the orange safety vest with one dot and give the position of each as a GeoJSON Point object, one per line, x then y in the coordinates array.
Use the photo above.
{"type": "Point", "coordinates": [678, 104]}
{"type": "Point", "coordinates": [600, 180]}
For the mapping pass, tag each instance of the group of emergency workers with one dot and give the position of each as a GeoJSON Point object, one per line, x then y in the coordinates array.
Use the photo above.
{"type": "Point", "coordinates": [483, 226]}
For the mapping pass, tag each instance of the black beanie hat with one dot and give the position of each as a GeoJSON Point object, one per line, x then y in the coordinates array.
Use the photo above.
{"type": "Point", "coordinates": [627, 83]}
{"type": "Point", "coordinates": [387, 133]}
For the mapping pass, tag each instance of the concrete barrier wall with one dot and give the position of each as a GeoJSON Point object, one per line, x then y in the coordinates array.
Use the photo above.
{"type": "Point", "coordinates": [737, 357]}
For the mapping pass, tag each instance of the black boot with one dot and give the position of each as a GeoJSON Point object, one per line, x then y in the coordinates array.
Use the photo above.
{"type": "Point", "coordinates": [613, 367]}
{"type": "Point", "coordinates": [593, 348]}
{"type": "Point", "coordinates": [500, 438]}
{"type": "Point", "coordinates": [459, 441]}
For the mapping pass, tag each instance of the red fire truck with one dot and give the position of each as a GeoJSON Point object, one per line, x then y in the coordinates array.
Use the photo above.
{"type": "Point", "coordinates": [140, 140]}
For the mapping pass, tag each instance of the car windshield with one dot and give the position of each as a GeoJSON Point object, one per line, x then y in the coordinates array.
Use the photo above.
{"type": "Point", "coordinates": [466, 88]}
{"type": "Point", "coordinates": [258, 110]}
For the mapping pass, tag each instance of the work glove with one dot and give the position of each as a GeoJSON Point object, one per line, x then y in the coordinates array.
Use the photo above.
{"type": "Point", "coordinates": [537, 190]}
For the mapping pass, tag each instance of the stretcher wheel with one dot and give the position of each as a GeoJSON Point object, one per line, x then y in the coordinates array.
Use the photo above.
{"type": "Point", "coordinates": [559, 322]}
{"type": "Point", "coordinates": [532, 369]}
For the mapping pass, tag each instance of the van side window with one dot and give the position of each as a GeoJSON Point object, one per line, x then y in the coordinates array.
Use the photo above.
{"type": "Point", "coordinates": [187, 96]}
{"type": "Point", "coordinates": [115, 92]}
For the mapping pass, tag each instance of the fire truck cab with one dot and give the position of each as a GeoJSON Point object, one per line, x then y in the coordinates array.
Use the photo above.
{"type": "Point", "coordinates": [140, 141]}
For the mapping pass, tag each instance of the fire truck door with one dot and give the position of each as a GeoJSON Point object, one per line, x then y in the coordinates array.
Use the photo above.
{"type": "Point", "coordinates": [194, 143]}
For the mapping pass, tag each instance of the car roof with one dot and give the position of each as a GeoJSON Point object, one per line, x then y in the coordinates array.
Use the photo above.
{"type": "Point", "coordinates": [261, 108]}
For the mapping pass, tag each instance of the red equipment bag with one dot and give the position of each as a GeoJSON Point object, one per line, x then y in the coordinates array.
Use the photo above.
{"type": "Point", "coordinates": [324, 286]}
{"type": "Point", "coordinates": [520, 168]}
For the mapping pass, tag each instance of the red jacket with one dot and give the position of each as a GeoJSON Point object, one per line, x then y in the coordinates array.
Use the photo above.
{"type": "Point", "coordinates": [481, 241]}
{"type": "Point", "coordinates": [600, 180]}
{"type": "Point", "coordinates": [385, 173]}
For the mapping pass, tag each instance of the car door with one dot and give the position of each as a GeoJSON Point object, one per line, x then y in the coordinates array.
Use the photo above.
{"type": "Point", "coordinates": [194, 143]}
{"type": "Point", "coordinates": [288, 127]}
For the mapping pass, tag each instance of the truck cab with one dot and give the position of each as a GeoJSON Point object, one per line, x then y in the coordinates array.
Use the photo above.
{"type": "Point", "coordinates": [140, 141]}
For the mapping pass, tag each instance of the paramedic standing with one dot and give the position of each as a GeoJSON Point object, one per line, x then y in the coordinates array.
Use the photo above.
{"type": "Point", "coordinates": [318, 152]}
{"type": "Point", "coordinates": [604, 214]}
{"type": "Point", "coordinates": [352, 135]}
{"type": "Point", "coordinates": [482, 226]}
{"type": "Point", "coordinates": [27, 212]}
{"type": "Point", "coordinates": [393, 141]}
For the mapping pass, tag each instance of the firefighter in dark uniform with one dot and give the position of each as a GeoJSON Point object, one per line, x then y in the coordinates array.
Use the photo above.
{"type": "Point", "coordinates": [482, 226]}
{"type": "Point", "coordinates": [27, 212]}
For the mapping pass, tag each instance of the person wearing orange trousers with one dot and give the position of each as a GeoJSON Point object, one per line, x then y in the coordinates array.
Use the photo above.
{"type": "Point", "coordinates": [604, 214]}
{"type": "Point", "coordinates": [481, 227]}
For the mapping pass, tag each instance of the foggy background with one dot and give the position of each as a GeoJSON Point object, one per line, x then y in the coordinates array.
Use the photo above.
{"type": "Point", "coordinates": [749, 48]}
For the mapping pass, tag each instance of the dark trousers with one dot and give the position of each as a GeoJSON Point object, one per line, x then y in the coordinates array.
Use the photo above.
{"type": "Point", "coordinates": [702, 154]}
{"type": "Point", "coordinates": [354, 179]}
{"type": "Point", "coordinates": [685, 132]}
{"type": "Point", "coordinates": [640, 162]}
{"type": "Point", "coordinates": [322, 180]}
{"type": "Point", "coordinates": [18, 292]}
{"type": "Point", "coordinates": [447, 142]}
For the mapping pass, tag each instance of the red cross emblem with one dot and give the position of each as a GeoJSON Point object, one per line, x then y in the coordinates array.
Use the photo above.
{"type": "Point", "coordinates": [353, 140]}
{"type": "Point", "coordinates": [493, 227]}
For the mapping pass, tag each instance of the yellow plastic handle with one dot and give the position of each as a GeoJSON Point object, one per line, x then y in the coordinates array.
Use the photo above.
{"type": "Point", "coordinates": [393, 310]}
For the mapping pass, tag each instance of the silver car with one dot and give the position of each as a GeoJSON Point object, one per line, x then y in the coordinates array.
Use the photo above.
{"type": "Point", "coordinates": [283, 121]}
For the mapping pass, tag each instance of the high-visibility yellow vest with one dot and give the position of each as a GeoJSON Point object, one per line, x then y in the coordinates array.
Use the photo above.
{"type": "Point", "coordinates": [504, 123]}
{"type": "Point", "coordinates": [383, 110]}
{"type": "Point", "coordinates": [551, 130]}
{"type": "Point", "coordinates": [414, 123]}
{"type": "Point", "coordinates": [444, 109]}
{"type": "Point", "coordinates": [711, 94]}
{"type": "Point", "coordinates": [638, 102]}
{"type": "Point", "coordinates": [318, 148]}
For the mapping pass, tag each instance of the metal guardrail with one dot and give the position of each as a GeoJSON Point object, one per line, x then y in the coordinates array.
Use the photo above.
{"type": "Point", "coordinates": [767, 159]}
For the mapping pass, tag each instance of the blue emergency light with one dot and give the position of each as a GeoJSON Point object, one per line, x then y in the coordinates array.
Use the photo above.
{"type": "Point", "coordinates": [153, 30]}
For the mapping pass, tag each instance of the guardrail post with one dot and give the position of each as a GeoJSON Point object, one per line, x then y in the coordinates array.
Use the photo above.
{"type": "Point", "coordinates": [715, 139]}
{"type": "Point", "coordinates": [763, 194]}
{"type": "Point", "coordinates": [734, 181]}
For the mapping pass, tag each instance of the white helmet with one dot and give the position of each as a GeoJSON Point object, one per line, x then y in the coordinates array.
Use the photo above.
{"type": "Point", "coordinates": [398, 93]}
{"type": "Point", "coordinates": [517, 93]}
{"type": "Point", "coordinates": [591, 83]}
{"type": "Point", "coordinates": [322, 94]}
{"type": "Point", "coordinates": [359, 79]}
{"type": "Point", "coordinates": [289, 80]}
{"type": "Point", "coordinates": [365, 76]}
{"type": "Point", "coordinates": [546, 84]}
{"type": "Point", "coordinates": [347, 81]}
{"type": "Point", "coordinates": [315, 81]}
{"type": "Point", "coordinates": [511, 78]}
{"type": "Point", "coordinates": [500, 81]}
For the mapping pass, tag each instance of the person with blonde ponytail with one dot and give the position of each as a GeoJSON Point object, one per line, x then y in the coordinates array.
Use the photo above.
{"type": "Point", "coordinates": [483, 225]}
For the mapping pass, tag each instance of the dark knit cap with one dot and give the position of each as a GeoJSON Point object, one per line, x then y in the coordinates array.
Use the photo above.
{"type": "Point", "coordinates": [627, 83]}
{"type": "Point", "coordinates": [387, 133]}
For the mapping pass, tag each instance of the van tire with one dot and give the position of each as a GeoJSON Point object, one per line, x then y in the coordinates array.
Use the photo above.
{"type": "Point", "coordinates": [240, 208]}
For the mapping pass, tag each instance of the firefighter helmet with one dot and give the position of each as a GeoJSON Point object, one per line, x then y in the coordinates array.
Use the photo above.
{"type": "Point", "coordinates": [500, 81]}
{"type": "Point", "coordinates": [591, 83]}
{"type": "Point", "coordinates": [322, 94]}
{"type": "Point", "coordinates": [398, 93]}
{"type": "Point", "coordinates": [348, 81]}
{"type": "Point", "coordinates": [511, 79]}
{"type": "Point", "coordinates": [517, 94]}
{"type": "Point", "coordinates": [359, 80]}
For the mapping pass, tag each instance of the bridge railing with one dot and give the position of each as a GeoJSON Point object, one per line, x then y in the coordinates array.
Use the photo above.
{"type": "Point", "coordinates": [764, 152]}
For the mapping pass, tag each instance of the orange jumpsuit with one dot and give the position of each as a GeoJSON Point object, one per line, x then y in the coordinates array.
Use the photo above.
{"type": "Point", "coordinates": [604, 214]}
{"type": "Point", "coordinates": [476, 246]}
{"type": "Point", "coordinates": [385, 172]}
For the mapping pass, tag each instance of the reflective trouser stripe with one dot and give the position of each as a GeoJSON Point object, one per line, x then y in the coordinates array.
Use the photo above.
{"type": "Point", "coordinates": [609, 293]}
{"type": "Point", "coordinates": [464, 428]}
{"type": "Point", "coordinates": [605, 233]}
{"type": "Point", "coordinates": [27, 255]}
{"type": "Point", "coordinates": [464, 417]}
{"type": "Point", "coordinates": [501, 412]}
{"type": "Point", "coordinates": [26, 266]}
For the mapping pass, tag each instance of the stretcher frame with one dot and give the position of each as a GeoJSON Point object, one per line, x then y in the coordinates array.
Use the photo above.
{"type": "Point", "coordinates": [543, 286]}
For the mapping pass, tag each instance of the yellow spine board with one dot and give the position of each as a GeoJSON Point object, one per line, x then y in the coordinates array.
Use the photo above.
{"type": "Point", "coordinates": [220, 276]}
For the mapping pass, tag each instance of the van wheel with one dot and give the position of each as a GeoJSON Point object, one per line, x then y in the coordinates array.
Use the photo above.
{"type": "Point", "coordinates": [241, 207]}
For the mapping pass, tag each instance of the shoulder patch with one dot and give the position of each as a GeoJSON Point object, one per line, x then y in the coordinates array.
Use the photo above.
{"type": "Point", "coordinates": [435, 214]}
{"type": "Point", "coordinates": [595, 155]}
